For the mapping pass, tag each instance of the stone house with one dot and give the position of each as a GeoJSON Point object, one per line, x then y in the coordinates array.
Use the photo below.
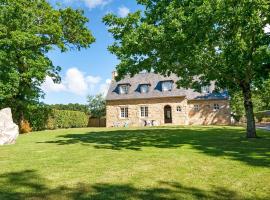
{"type": "Point", "coordinates": [152, 99]}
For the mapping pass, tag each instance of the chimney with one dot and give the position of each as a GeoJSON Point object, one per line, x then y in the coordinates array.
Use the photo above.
{"type": "Point", "coordinates": [114, 74]}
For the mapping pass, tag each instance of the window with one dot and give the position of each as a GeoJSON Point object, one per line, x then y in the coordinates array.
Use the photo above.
{"type": "Point", "coordinates": [124, 112]}
{"type": "Point", "coordinates": [123, 89]}
{"type": "Point", "coordinates": [196, 107]}
{"type": "Point", "coordinates": [167, 86]}
{"type": "Point", "coordinates": [144, 111]}
{"type": "Point", "coordinates": [178, 109]}
{"type": "Point", "coordinates": [216, 106]}
{"type": "Point", "coordinates": [144, 88]}
{"type": "Point", "coordinates": [205, 89]}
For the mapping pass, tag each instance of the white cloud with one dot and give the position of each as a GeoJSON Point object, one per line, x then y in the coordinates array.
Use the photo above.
{"type": "Point", "coordinates": [105, 87]}
{"type": "Point", "coordinates": [95, 3]}
{"type": "Point", "coordinates": [123, 11]}
{"type": "Point", "coordinates": [267, 28]}
{"type": "Point", "coordinates": [93, 79]}
{"type": "Point", "coordinates": [90, 3]}
{"type": "Point", "coordinates": [74, 82]}
{"type": "Point", "coordinates": [49, 85]}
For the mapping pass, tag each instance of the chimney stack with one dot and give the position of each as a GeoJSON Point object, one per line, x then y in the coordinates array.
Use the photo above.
{"type": "Point", "coordinates": [114, 74]}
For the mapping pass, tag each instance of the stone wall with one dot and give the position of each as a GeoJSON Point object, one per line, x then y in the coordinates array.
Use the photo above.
{"type": "Point", "coordinates": [186, 116]}
{"type": "Point", "coordinates": [207, 115]}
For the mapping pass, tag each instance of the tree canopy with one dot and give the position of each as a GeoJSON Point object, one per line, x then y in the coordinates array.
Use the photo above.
{"type": "Point", "coordinates": [216, 40]}
{"type": "Point", "coordinates": [29, 29]}
{"type": "Point", "coordinates": [97, 105]}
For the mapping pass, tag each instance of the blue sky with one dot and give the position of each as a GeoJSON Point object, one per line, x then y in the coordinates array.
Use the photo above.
{"type": "Point", "coordinates": [87, 71]}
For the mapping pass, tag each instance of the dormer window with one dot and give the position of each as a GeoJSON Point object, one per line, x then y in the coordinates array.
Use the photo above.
{"type": "Point", "coordinates": [144, 88]}
{"type": "Point", "coordinates": [123, 89]}
{"type": "Point", "coordinates": [167, 85]}
{"type": "Point", "coordinates": [205, 89]}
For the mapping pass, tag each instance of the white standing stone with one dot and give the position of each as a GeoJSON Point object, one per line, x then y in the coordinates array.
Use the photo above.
{"type": "Point", "coordinates": [9, 131]}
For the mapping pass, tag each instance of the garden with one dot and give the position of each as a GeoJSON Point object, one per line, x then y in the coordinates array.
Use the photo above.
{"type": "Point", "coordinates": [152, 163]}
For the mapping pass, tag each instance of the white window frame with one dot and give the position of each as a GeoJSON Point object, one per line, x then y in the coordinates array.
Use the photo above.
{"type": "Point", "coordinates": [123, 89]}
{"type": "Point", "coordinates": [144, 111]}
{"type": "Point", "coordinates": [205, 89]}
{"type": "Point", "coordinates": [196, 107]}
{"type": "Point", "coordinates": [216, 106]}
{"type": "Point", "coordinates": [123, 112]}
{"type": "Point", "coordinates": [179, 108]}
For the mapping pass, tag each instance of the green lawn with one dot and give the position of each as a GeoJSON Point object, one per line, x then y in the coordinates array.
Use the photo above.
{"type": "Point", "coordinates": [154, 163]}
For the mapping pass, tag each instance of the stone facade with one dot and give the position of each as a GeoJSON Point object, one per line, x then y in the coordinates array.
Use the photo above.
{"type": "Point", "coordinates": [183, 111]}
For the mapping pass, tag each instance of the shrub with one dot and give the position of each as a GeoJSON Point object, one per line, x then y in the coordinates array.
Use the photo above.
{"type": "Point", "coordinates": [25, 127]}
{"type": "Point", "coordinates": [261, 115]}
{"type": "Point", "coordinates": [266, 119]}
{"type": "Point", "coordinates": [67, 119]}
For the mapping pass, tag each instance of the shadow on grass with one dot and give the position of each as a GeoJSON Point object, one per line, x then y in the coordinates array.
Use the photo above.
{"type": "Point", "coordinates": [226, 141]}
{"type": "Point", "coordinates": [29, 185]}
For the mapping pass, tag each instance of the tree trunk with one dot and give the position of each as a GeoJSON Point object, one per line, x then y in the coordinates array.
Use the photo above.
{"type": "Point", "coordinates": [251, 127]}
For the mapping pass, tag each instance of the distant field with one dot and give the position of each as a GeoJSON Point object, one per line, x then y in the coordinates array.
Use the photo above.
{"type": "Point", "coordinates": [153, 163]}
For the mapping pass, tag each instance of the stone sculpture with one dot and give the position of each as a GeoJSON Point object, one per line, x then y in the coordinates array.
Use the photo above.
{"type": "Point", "coordinates": [9, 131]}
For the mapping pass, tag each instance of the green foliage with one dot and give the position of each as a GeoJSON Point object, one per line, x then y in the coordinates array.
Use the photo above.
{"type": "Point", "coordinates": [266, 119]}
{"type": "Point", "coordinates": [262, 115]}
{"type": "Point", "coordinates": [71, 106]}
{"type": "Point", "coordinates": [260, 99]}
{"type": "Point", "coordinates": [28, 31]}
{"type": "Point", "coordinates": [67, 119]}
{"type": "Point", "coordinates": [38, 116]}
{"type": "Point", "coordinates": [216, 40]}
{"type": "Point", "coordinates": [97, 105]}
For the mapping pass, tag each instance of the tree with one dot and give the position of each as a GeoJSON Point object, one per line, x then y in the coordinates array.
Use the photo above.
{"type": "Point", "coordinates": [71, 106]}
{"type": "Point", "coordinates": [97, 106]}
{"type": "Point", "coordinates": [29, 29]}
{"type": "Point", "coordinates": [260, 98]}
{"type": "Point", "coordinates": [214, 40]}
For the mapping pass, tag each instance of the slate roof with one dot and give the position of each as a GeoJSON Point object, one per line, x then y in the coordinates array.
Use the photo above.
{"type": "Point", "coordinates": [155, 91]}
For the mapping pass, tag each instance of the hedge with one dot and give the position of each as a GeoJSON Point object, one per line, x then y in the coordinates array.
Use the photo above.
{"type": "Point", "coordinates": [263, 114]}
{"type": "Point", "coordinates": [67, 119]}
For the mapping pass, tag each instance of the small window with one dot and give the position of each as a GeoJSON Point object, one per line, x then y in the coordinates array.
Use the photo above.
{"type": "Point", "coordinates": [205, 89]}
{"type": "Point", "coordinates": [167, 86]}
{"type": "Point", "coordinates": [144, 111]}
{"type": "Point", "coordinates": [144, 88]}
{"type": "Point", "coordinates": [123, 89]}
{"type": "Point", "coordinates": [216, 106]}
{"type": "Point", "coordinates": [178, 109]}
{"type": "Point", "coordinates": [196, 107]}
{"type": "Point", "coordinates": [124, 112]}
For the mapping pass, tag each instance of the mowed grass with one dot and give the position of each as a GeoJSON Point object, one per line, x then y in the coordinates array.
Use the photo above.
{"type": "Point", "coordinates": [153, 163]}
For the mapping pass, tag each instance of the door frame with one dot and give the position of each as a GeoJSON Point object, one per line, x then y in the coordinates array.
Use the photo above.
{"type": "Point", "coordinates": [167, 116]}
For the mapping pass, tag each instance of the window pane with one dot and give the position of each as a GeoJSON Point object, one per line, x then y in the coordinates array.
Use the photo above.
{"type": "Point", "coordinates": [146, 112]}
{"type": "Point", "coordinates": [142, 111]}
{"type": "Point", "coordinates": [167, 86]}
{"type": "Point", "coordinates": [205, 89]}
{"type": "Point", "coordinates": [124, 113]}
{"type": "Point", "coordinates": [123, 89]}
{"type": "Point", "coordinates": [144, 88]}
{"type": "Point", "coordinates": [216, 106]}
{"type": "Point", "coordinates": [196, 107]}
